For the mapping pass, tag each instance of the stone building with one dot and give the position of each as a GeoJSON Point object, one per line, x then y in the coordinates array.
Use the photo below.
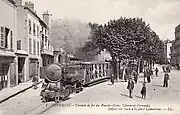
{"type": "Point", "coordinates": [46, 47]}
{"type": "Point", "coordinates": [175, 48]}
{"type": "Point", "coordinates": [32, 40]}
{"type": "Point", "coordinates": [8, 27]}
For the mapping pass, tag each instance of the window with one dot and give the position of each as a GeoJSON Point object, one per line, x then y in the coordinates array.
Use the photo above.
{"type": "Point", "coordinates": [2, 37]}
{"type": "Point", "coordinates": [34, 30]}
{"type": "Point", "coordinates": [45, 41]}
{"type": "Point", "coordinates": [11, 41]}
{"type": "Point", "coordinates": [30, 46]}
{"type": "Point", "coordinates": [42, 30]}
{"type": "Point", "coordinates": [37, 47]}
{"type": "Point", "coordinates": [48, 44]}
{"type": "Point", "coordinates": [42, 40]}
{"type": "Point", "coordinates": [34, 47]}
{"type": "Point", "coordinates": [38, 31]}
{"type": "Point", "coordinates": [6, 37]}
{"type": "Point", "coordinates": [19, 45]}
{"type": "Point", "coordinates": [45, 31]}
{"type": "Point", "coordinates": [29, 26]}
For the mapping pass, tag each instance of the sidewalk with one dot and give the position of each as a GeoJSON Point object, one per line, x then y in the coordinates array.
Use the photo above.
{"type": "Point", "coordinates": [10, 92]}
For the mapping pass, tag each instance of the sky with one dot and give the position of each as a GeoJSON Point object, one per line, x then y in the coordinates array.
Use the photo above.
{"type": "Point", "coordinates": [162, 15]}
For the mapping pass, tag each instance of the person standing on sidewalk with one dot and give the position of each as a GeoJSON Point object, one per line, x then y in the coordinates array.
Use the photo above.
{"type": "Point", "coordinates": [166, 78]}
{"type": "Point", "coordinates": [127, 74]}
{"type": "Point", "coordinates": [156, 70]}
{"type": "Point", "coordinates": [135, 75]}
{"type": "Point", "coordinates": [148, 75]}
{"type": "Point", "coordinates": [163, 67]}
{"type": "Point", "coordinates": [130, 87]}
{"type": "Point", "coordinates": [143, 91]}
{"type": "Point", "coordinates": [112, 79]}
{"type": "Point", "coordinates": [35, 81]}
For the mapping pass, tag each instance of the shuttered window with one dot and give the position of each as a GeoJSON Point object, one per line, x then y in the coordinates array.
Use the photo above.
{"type": "Point", "coordinates": [11, 40]}
{"type": "Point", "coordinates": [34, 47]}
{"type": "Point", "coordinates": [30, 46]}
{"type": "Point", "coordinates": [34, 29]}
{"type": "Point", "coordinates": [37, 47]}
{"type": "Point", "coordinates": [38, 31]}
{"type": "Point", "coordinates": [30, 27]}
{"type": "Point", "coordinates": [2, 37]}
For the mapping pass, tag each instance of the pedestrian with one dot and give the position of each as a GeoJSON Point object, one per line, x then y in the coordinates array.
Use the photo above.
{"type": "Point", "coordinates": [168, 69]}
{"type": "Point", "coordinates": [148, 75]}
{"type": "Point", "coordinates": [166, 78]}
{"type": "Point", "coordinates": [112, 79]}
{"type": "Point", "coordinates": [156, 70]}
{"type": "Point", "coordinates": [163, 68]}
{"type": "Point", "coordinates": [135, 75]}
{"type": "Point", "coordinates": [35, 81]}
{"type": "Point", "coordinates": [143, 91]}
{"type": "Point", "coordinates": [130, 87]}
{"type": "Point", "coordinates": [127, 74]}
{"type": "Point", "coordinates": [145, 74]}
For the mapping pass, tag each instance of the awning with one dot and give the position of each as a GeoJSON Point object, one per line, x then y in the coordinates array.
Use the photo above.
{"type": "Point", "coordinates": [6, 59]}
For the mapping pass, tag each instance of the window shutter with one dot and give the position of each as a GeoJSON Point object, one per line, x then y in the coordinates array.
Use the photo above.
{"type": "Point", "coordinates": [2, 37]}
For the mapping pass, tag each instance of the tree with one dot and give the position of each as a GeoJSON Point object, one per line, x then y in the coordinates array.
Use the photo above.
{"type": "Point", "coordinates": [123, 38]}
{"type": "Point", "coordinates": [69, 35]}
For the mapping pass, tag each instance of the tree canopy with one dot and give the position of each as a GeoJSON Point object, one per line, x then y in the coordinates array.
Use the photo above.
{"type": "Point", "coordinates": [125, 38]}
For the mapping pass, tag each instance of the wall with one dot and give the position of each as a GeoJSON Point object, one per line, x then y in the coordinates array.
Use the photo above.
{"type": "Point", "coordinates": [8, 18]}
{"type": "Point", "coordinates": [22, 28]}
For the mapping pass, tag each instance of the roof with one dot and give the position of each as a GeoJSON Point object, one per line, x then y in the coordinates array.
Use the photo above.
{"type": "Point", "coordinates": [40, 20]}
{"type": "Point", "coordinates": [13, 2]}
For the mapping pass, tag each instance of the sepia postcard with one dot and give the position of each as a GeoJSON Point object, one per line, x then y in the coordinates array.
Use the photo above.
{"type": "Point", "coordinates": [89, 57]}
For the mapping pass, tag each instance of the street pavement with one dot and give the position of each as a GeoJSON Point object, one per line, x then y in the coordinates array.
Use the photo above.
{"type": "Point", "coordinates": [99, 96]}
{"type": "Point", "coordinates": [160, 100]}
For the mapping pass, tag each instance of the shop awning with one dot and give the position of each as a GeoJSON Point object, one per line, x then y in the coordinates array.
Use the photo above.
{"type": "Point", "coordinates": [6, 59]}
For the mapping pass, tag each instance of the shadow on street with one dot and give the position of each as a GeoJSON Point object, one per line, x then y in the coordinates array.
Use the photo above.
{"type": "Point", "coordinates": [158, 85]}
{"type": "Point", "coordinates": [138, 97]}
{"type": "Point", "coordinates": [125, 95]}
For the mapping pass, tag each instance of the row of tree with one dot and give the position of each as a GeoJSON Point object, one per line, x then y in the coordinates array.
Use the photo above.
{"type": "Point", "coordinates": [125, 38]}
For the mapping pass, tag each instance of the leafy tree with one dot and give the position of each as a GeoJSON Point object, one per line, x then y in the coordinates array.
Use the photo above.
{"type": "Point", "coordinates": [124, 38]}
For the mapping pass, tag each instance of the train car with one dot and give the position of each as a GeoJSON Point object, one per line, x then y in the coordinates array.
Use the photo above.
{"type": "Point", "coordinates": [96, 71]}
{"type": "Point", "coordinates": [61, 80]}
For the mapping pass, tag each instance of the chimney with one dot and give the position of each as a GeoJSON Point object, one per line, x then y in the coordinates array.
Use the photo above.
{"type": "Point", "coordinates": [46, 18]}
{"type": "Point", "coordinates": [30, 5]}
{"type": "Point", "coordinates": [18, 2]}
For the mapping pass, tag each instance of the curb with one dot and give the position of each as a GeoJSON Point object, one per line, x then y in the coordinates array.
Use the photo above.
{"type": "Point", "coordinates": [97, 82]}
{"type": "Point", "coordinates": [3, 100]}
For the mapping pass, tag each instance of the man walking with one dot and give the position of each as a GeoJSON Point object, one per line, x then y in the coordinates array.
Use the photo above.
{"type": "Point", "coordinates": [130, 87]}
{"type": "Point", "coordinates": [166, 78]}
{"type": "Point", "coordinates": [156, 70]}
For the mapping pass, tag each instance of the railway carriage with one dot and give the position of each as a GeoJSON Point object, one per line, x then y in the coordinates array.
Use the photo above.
{"type": "Point", "coordinates": [61, 80]}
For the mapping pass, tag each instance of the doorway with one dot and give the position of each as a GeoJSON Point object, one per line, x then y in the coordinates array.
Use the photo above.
{"type": "Point", "coordinates": [21, 62]}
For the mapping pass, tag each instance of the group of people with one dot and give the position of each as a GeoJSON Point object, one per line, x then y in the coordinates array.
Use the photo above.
{"type": "Point", "coordinates": [147, 74]}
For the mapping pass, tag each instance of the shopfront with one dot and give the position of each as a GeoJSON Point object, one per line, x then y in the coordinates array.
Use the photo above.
{"type": "Point", "coordinates": [7, 72]}
{"type": "Point", "coordinates": [33, 67]}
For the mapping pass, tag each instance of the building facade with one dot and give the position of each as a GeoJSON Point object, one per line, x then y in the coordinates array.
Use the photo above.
{"type": "Point", "coordinates": [32, 41]}
{"type": "Point", "coordinates": [46, 47]}
{"type": "Point", "coordinates": [175, 48]}
{"type": "Point", "coordinates": [8, 27]}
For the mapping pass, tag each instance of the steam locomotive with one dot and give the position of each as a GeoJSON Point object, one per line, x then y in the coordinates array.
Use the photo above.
{"type": "Point", "coordinates": [61, 80]}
